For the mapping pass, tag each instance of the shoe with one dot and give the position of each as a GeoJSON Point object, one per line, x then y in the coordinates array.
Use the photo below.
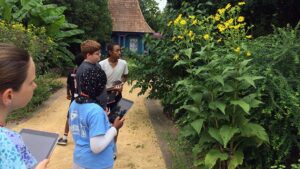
{"type": "Point", "coordinates": [62, 141]}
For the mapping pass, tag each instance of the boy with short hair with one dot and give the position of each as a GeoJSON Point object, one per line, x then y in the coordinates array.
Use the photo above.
{"type": "Point", "coordinates": [91, 51]}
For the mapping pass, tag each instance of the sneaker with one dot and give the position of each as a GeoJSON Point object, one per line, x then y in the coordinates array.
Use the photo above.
{"type": "Point", "coordinates": [62, 141]}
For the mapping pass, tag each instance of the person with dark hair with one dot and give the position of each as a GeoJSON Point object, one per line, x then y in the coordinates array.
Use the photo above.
{"type": "Point", "coordinates": [116, 70]}
{"type": "Point", "coordinates": [92, 133]}
{"type": "Point", "coordinates": [17, 75]}
{"type": "Point", "coordinates": [71, 95]}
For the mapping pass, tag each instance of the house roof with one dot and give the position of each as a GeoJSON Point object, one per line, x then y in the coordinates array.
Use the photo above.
{"type": "Point", "coordinates": [127, 16]}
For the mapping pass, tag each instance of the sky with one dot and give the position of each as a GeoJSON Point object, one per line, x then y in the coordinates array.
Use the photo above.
{"type": "Point", "coordinates": [161, 4]}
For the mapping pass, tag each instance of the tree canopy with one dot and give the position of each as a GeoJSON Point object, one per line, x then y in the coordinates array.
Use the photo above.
{"type": "Point", "coordinates": [91, 16]}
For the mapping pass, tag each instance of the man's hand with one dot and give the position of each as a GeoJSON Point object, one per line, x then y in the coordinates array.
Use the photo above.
{"type": "Point", "coordinates": [118, 123]}
{"type": "Point", "coordinates": [68, 97]}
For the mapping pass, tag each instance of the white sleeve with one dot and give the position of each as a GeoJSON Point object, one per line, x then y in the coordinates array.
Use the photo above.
{"type": "Point", "coordinates": [126, 68]}
{"type": "Point", "coordinates": [99, 143]}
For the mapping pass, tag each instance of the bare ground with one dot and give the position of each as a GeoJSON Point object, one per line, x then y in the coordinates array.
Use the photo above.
{"type": "Point", "coordinates": [138, 146]}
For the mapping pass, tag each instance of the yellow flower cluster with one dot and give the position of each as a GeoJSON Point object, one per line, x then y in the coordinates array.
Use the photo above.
{"type": "Point", "coordinates": [18, 26]}
{"type": "Point", "coordinates": [238, 51]}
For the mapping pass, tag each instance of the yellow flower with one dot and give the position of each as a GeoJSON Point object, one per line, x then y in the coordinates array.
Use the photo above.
{"type": "Point", "coordinates": [240, 19]}
{"type": "Point", "coordinates": [237, 50]}
{"type": "Point", "coordinates": [176, 57]}
{"type": "Point", "coordinates": [228, 22]}
{"type": "Point", "coordinates": [228, 6]}
{"type": "Point", "coordinates": [248, 54]}
{"type": "Point", "coordinates": [241, 3]}
{"type": "Point", "coordinates": [192, 17]}
{"type": "Point", "coordinates": [249, 36]}
{"type": "Point", "coordinates": [217, 17]}
{"type": "Point", "coordinates": [221, 27]}
{"type": "Point", "coordinates": [183, 22]}
{"type": "Point", "coordinates": [206, 36]}
{"type": "Point", "coordinates": [178, 19]}
{"type": "Point", "coordinates": [221, 11]}
{"type": "Point", "coordinates": [219, 40]}
{"type": "Point", "coordinates": [237, 26]}
{"type": "Point", "coordinates": [170, 23]}
{"type": "Point", "coordinates": [191, 33]}
{"type": "Point", "coordinates": [194, 22]}
{"type": "Point", "coordinates": [180, 37]}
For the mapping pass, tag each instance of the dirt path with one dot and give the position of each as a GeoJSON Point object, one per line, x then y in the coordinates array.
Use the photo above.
{"type": "Point", "coordinates": [137, 143]}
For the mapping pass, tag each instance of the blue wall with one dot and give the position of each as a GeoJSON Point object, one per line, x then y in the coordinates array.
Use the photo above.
{"type": "Point", "coordinates": [123, 38]}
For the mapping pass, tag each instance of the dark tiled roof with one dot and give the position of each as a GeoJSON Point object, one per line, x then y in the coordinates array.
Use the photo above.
{"type": "Point", "coordinates": [127, 16]}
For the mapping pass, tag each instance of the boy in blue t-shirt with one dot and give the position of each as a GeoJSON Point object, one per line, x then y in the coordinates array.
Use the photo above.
{"type": "Point", "coordinates": [92, 132]}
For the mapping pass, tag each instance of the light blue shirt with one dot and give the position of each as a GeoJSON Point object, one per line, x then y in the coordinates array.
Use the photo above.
{"type": "Point", "coordinates": [88, 120]}
{"type": "Point", "coordinates": [13, 152]}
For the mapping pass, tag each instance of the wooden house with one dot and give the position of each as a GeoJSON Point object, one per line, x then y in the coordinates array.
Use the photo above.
{"type": "Point", "coordinates": [129, 25]}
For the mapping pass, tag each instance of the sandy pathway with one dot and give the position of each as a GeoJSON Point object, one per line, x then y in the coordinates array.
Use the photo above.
{"type": "Point", "coordinates": [137, 143]}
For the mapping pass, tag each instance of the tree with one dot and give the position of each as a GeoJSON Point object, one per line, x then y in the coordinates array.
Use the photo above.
{"type": "Point", "coordinates": [91, 16]}
{"type": "Point", "coordinates": [151, 13]}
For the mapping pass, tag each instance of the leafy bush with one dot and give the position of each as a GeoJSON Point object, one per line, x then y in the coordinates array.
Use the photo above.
{"type": "Point", "coordinates": [229, 93]}
{"type": "Point", "coordinates": [46, 85]}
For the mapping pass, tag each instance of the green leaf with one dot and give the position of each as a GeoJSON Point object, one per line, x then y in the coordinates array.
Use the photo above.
{"type": "Point", "coordinates": [219, 79]}
{"type": "Point", "coordinates": [191, 108]}
{"type": "Point", "coordinates": [214, 133]}
{"type": "Point", "coordinates": [213, 156]}
{"type": "Point", "coordinates": [236, 159]}
{"type": "Point", "coordinates": [245, 106]}
{"type": "Point", "coordinates": [196, 96]}
{"type": "Point", "coordinates": [254, 130]}
{"type": "Point", "coordinates": [181, 62]}
{"type": "Point", "coordinates": [226, 133]}
{"type": "Point", "coordinates": [188, 52]}
{"type": "Point", "coordinates": [197, 125]}
{"type": "Point", "coordinates": [221, 106]}
{"type": "Point", "coordinates": [250, 79]}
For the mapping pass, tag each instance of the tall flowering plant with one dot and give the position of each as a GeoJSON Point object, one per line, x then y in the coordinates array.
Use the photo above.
{"type": "Point", "coordinates": [220, 91]}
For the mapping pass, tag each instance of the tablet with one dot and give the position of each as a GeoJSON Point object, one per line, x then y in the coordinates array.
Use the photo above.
{"type": "Point", "coordinates": [40, 143]}
{"type": "Point", "coordinates": [125, 104]}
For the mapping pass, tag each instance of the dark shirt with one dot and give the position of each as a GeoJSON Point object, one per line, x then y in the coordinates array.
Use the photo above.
{"type": "Point", "coordinates": [102, 98]}
{"type": "Point", "coordinates": [71, 82]}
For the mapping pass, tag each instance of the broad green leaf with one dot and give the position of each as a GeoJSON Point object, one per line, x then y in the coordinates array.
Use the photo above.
{"type": "Point", "coordinates": [245, 106]}
{"type": "Point", "coordinates": [249, 79]}
{"type": "Point", "coordinates": [245, 62]}
{"type": "Point", "coordinates": [226, 133]}
{"type": "Point", "coordinates": [187, 131]}
{"type": "Point", "coordinates": [191, 108]}
{"type": "Point", "coordinates": [221, 106]}
{"type": "Point", "coordinates": [219, 79]}
{"type": "Point", "coordinates": [254, 130]}
{"type": "Point", "coordinates": [197, 125]}
{"type": "Point", "coordinates": [213, 156]}
{"type": "Point", "coordinates": [236, 159]}
{"type": "Point", "coordinates": [196, 96]}
{"type": "Point", "coordinates": [188, 52]}
{"type": "Point", "coordinates": [181, 62]}
{"type": "Point", "coordinates": [214, 133]}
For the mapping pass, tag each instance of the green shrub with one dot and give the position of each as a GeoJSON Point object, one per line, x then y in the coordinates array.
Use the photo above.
{"type": "Point", "coordinates": [46, 85]}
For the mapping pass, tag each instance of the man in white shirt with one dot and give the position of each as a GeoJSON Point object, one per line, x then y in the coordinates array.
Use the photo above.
{"type": "Point", "coordinates": [116, 70]}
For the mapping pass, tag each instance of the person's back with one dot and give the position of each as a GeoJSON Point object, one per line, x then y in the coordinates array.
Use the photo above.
{"type": "Point", "coordinates": [92, 133]}
{"type": "Point", "coordinates": [90, 50]}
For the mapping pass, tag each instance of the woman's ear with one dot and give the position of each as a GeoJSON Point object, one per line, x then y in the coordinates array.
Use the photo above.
{"type": "Point", "coordinates": [6, 97]}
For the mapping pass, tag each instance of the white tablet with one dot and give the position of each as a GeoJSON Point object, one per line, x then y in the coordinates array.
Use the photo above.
{"type": "Point", "coordinates": [40, 143]}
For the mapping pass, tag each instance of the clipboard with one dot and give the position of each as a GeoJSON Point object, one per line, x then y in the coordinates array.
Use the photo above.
{"type": "Point", "coordinates": [40, 143]}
